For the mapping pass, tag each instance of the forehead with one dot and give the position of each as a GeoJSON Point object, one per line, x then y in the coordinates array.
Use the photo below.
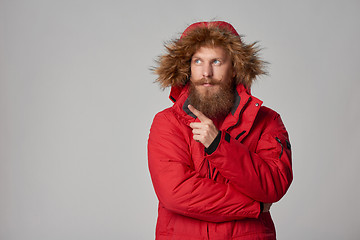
{"type": "Point", "coordinates": [211, 52]}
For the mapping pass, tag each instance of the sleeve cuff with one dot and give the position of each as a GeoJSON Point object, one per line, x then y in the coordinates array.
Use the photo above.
{"type": "Point", "coordinates": [213, 146]}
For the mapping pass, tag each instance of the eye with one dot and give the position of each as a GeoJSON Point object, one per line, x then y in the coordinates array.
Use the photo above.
{"type": "Point", "coordinates": [217, 62]}
{"type": "Point", "coordinates": [197, 61]}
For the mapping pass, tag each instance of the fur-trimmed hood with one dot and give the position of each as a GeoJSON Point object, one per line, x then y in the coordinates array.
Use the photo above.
{"type": "Point", "coordinates": [173, 68]}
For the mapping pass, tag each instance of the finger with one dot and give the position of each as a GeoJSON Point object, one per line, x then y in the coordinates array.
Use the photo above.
{"type": "Point", "coordinates": [197, 113]}
{"type": "Point", "coordinates": [194, 125]}
{"type": "Point", "coordinates": [198, 138]}
{"type": "Point", "coordinates": [197, 131]}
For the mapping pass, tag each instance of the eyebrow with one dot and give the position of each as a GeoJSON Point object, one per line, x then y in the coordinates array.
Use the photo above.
{"type": "Point", "coordinates": [216, 58]}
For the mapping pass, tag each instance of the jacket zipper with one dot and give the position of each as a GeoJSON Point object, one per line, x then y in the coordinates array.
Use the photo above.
{"type": "Point", "coordinates": [282, 148]}
{"type": "Point", "coordinates": [212, 175]}
{"type": "Point", "coordinates": [228, 129]}
{"type": "Point", "coordinates": [241, 111]}
{"type": "Point", "coordinates": [209, 171]}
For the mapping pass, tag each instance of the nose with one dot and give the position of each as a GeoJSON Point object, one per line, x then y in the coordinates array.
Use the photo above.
{"type": "Point", "coordinates": [207, 70]}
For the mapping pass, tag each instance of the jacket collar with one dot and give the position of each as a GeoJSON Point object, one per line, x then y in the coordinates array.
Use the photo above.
{"type": "Point", "coordinates": [242, 114]}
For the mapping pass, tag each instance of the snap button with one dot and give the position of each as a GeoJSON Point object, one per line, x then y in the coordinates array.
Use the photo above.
{"type": "Point", "coordinates": [256, 104]}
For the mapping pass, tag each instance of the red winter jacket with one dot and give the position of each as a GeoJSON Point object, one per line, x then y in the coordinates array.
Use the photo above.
{"type": "Point", "coordinates": [216, 194]}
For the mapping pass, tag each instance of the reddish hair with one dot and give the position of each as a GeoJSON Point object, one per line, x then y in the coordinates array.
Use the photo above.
{"type": "Point", "coordinates": [174, 67]}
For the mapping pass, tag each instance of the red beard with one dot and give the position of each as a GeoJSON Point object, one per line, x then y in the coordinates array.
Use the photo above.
{"type": "Point", "coordinates": [213, 105]}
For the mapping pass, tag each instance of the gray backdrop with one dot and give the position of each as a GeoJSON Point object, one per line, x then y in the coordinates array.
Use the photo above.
{"type": "Point", "coordinates": [77, 100]}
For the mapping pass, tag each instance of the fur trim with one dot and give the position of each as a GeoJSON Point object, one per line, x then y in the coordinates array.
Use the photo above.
{"type": "Point", "coordinates": [174, 67]}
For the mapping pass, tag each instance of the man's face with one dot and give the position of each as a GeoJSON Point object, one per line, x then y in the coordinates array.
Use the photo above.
{"type": "Point", "coordinates": [211, 82]}
{"type": "Point", "coordinates": [211, 67]}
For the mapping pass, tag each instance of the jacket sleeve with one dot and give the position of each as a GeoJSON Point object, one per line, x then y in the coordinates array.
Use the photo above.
{"type": "Point", "coordinates": [179, 187]}
{"type": "Point", "coordinates": [264, 175]}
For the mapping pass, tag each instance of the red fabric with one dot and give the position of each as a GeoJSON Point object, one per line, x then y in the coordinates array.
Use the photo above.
{"type": "Point", "coordinates": [220, 24]}
{"type": "Point", "coordinates": [218, 196]}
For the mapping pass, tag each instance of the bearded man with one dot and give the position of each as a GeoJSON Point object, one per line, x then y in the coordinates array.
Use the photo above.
{"type": "Point", "coordinates": [218, 159]}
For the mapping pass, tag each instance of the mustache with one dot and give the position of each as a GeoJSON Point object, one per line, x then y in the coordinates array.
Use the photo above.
{"type": "Point", "coordinates": [211, 81]}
